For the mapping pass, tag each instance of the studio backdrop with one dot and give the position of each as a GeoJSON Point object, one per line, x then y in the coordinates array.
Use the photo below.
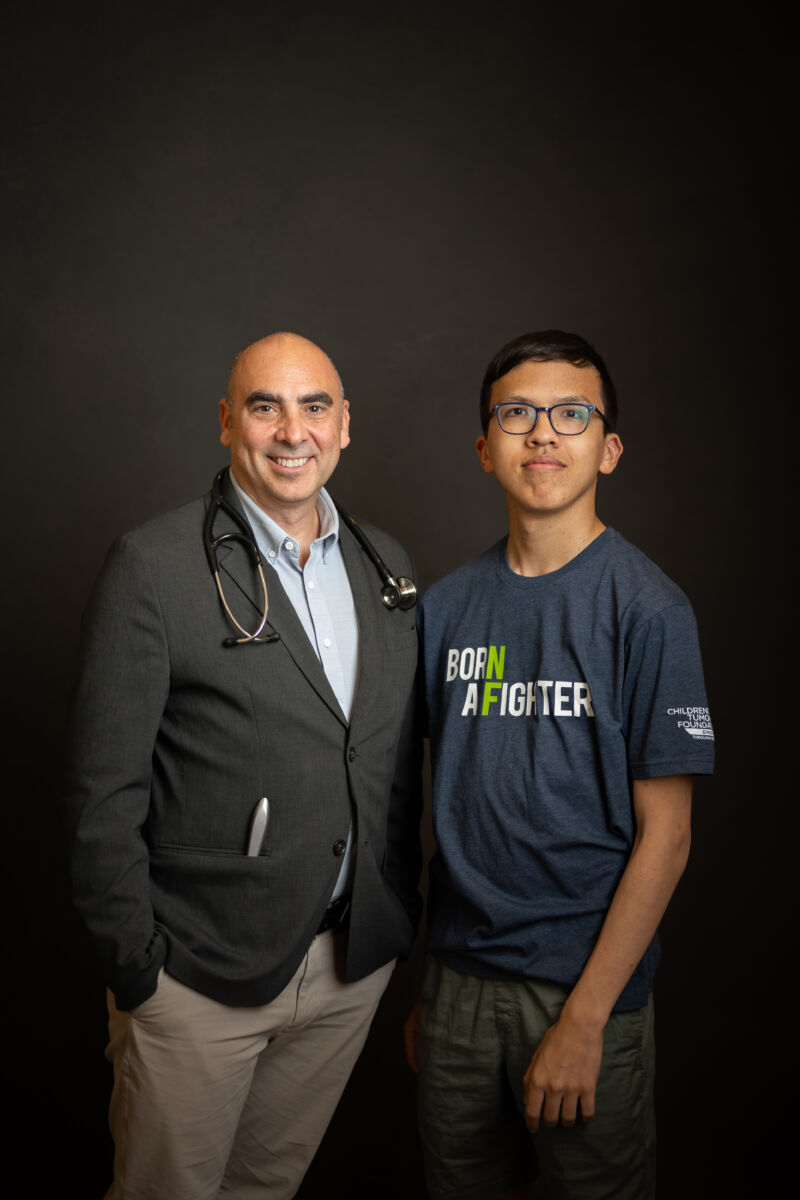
{"type": "Point", "coordinates": [409, 187]}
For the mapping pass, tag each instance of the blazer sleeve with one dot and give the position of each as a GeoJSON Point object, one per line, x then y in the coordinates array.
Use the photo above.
{"type": "Point", "coordinates": [403, 865]}
{"type": "Point", "coordinates": [403, 846]}
{"type": "Point", "coordinates": [119, 700]}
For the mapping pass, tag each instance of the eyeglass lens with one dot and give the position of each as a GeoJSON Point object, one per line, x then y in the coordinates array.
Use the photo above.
{"type": "Point", "coordinates": [567, 419]}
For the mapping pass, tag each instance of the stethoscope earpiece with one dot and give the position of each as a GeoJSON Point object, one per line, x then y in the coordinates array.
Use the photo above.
{"type": "Point", "coordinates": [243, 641]}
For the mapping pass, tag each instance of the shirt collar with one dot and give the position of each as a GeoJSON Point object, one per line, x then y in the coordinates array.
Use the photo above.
{"type": "Point", "coordinates": [274, 541]}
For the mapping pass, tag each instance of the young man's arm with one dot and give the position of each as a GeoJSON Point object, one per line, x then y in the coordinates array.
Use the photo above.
{"type": "Point", "coordinates": [566, 1064]}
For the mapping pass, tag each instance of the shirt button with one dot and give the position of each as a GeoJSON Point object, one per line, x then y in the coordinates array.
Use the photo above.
{"type": "Point", "coordinates": [311, 585]}
{"type": "Point", "coordinates": [271, 553]}
{"type": "Point", "coordinates": [351, 753]}
{"type": "Point", "coordinates": [339, 847]}
{"type": "Point", "coordinates": [288, 545]}
{"type": "Point", "coordinates": [326, 641]}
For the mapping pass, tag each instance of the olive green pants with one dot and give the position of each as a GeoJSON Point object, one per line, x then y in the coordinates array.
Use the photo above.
{"type": "Point", "coordinates": [476, 1043]}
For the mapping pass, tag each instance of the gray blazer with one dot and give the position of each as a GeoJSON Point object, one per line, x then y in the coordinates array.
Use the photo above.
{"type": "Point", "coordinates": [174, 739]}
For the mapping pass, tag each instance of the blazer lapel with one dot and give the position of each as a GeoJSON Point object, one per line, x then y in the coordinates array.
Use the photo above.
{"type": "Point", "coordinates": [365, 587]}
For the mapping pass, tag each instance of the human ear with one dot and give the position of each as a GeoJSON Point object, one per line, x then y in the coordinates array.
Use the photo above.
{"type": "Point", "coordinates": [344, 432]}
{"type": "Point", "coordinates": [482, 446]}
{"type": "Point", "coordinates": [611, 453]}
{"type": "Point", "coordinates": [225, 422]}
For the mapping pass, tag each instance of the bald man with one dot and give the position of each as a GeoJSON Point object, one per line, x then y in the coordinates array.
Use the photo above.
{"type": "Point", "coordinates": [244, 798]}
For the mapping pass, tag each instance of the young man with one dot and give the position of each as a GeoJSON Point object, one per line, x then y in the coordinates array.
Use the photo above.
{"type": "Point", "coordinates": [566, 712]}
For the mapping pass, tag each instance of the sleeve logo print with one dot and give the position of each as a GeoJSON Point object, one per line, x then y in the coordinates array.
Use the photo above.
{"type": "Point", "coordinates": [694, 721]}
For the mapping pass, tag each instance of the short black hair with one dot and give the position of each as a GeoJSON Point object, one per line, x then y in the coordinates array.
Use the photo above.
{"type": "Point", "coordinates": [549, 345]}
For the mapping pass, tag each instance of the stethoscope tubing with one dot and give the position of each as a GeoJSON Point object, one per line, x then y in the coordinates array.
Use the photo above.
{"type": "Point", "coordinates": [395, 593]}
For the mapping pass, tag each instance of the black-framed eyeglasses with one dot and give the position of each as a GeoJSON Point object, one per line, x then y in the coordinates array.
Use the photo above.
{"type": "Point", "coordinates": [565, 419]}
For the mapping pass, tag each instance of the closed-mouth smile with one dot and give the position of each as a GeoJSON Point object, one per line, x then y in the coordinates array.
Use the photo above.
{"type": "Point", "coordinates": [545, 463]}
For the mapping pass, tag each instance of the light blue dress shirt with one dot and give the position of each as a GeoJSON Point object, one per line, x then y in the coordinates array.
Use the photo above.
{"type": "Point", "coordinates": [321, 596]}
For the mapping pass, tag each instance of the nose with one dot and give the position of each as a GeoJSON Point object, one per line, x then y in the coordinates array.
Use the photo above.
{"type": "Point", "coordinates": [542, 433]}
{"type": "Point", "coordinates": [291, 428]}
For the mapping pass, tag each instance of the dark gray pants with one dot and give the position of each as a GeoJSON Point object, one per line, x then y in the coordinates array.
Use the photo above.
{"type": "Point", "coordinates": [476, 1042]}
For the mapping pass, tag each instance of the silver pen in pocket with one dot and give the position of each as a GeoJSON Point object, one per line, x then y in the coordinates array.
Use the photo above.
{"type": "Point", "coordinates": [258, 827]}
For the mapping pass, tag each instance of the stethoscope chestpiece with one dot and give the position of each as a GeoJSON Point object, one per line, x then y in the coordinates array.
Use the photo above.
{"type": "Point", "coordinates": [399, 593]}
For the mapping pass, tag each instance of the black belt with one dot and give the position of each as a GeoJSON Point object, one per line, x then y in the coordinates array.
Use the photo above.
{"type": "Point", "coordinates": [336, 914]}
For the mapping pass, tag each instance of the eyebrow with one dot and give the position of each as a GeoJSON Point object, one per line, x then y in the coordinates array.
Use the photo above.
{"type": "Point", "coordinates": [259, 397]}
{"type": "Point", "coordinates": [568, 399]}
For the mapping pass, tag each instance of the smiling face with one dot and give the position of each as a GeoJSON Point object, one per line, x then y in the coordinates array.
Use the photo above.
{"type": "Point", "coordinates": [286, 421]}
{"type": "Point", "coordinates": [544, 472]}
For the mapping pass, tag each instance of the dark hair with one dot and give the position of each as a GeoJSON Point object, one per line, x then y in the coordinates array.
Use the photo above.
{"type": "Point", "coordinates": [550, 345]}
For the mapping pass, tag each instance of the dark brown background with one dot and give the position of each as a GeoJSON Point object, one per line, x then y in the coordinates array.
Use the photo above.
{"type": "Point", "coordinates": [409, 187]}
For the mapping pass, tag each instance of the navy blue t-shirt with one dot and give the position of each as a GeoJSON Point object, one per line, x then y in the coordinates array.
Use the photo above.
{"type": "Point", "coordinates": [545, 698]}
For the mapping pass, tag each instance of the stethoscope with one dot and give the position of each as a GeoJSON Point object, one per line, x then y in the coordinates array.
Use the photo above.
{"type": "Point", "coordinates": [395, 593]}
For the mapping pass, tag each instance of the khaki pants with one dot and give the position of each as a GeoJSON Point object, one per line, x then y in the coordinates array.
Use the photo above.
{"type": "Point", "coordinates": [211, 1101]}
{"type": "Point", "coordinates": [476, 1042]}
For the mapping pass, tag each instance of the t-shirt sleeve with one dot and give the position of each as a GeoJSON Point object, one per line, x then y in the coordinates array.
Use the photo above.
{"type": "Point", "coordinates": [668, 726]}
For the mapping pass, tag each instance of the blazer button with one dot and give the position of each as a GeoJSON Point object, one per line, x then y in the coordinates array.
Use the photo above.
{"type": "Point", "coordinates": [351, 753]}
{"type": "Point", "coordinates": [339, 847]}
